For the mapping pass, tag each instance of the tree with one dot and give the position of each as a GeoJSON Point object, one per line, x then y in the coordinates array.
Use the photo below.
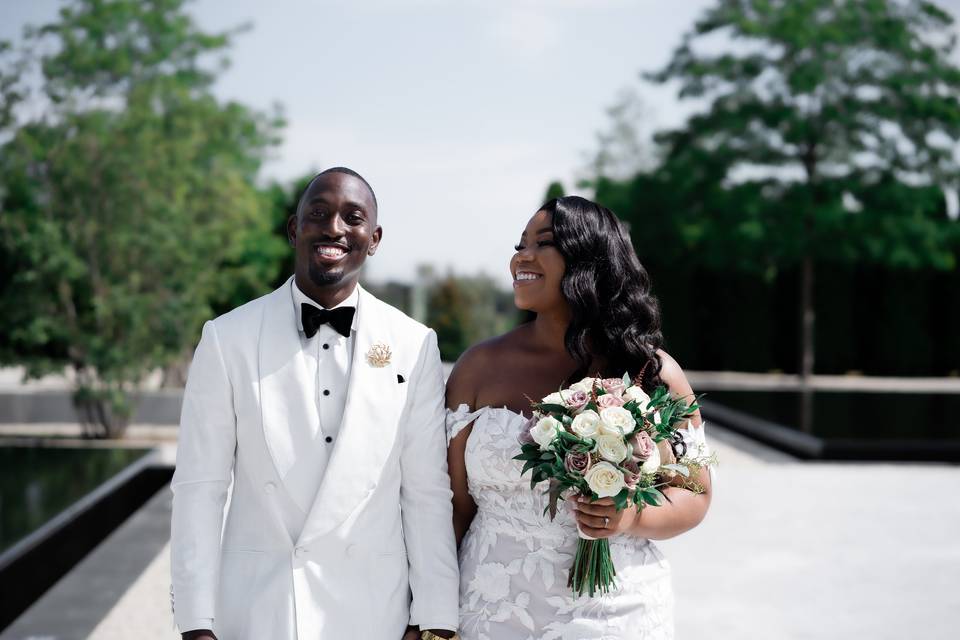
{"type": "Point", "coordinates": [449, 315]}
{"type": "Point", "coordinates": [814, 106]}
{"type": "Point", "coordinates": [464, 310]}
{"type": "Point", "coordinates": [128, 204]}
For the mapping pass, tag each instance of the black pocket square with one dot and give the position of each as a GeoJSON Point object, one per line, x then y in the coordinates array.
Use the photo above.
{"type": "Point", "coordinates": [400, 379]}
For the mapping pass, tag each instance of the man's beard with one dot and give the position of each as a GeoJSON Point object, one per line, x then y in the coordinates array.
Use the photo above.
{"type": "Point", "coordinates": [323, 278]}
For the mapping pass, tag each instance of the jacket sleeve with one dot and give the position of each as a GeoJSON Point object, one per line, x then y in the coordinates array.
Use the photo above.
{"type": "Point", "coordinates": [426, 498]}
{"type": "Point", "coordinates": [205, 456]}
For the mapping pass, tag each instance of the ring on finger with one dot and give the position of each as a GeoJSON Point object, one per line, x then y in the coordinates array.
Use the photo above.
{"type": "Point", "coordinates": [606, 521]}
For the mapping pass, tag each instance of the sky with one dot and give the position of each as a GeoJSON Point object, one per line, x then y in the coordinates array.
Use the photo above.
{"type": "Point", "coordinates": [458, 113]}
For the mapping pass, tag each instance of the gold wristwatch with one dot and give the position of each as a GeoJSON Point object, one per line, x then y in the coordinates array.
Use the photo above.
{"type": "Point", "coordinates": [427, 635]}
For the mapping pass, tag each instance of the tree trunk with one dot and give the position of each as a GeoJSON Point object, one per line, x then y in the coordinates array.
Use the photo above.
{"type": "Point", "coordinates": [807, 318]}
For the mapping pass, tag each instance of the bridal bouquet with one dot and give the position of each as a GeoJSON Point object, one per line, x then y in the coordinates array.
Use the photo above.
{"type": "Point", "coordinates": [607, 438]}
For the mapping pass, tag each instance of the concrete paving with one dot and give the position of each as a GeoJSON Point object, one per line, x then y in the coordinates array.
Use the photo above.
{"type": "Point", "coordinates": [790, 550]}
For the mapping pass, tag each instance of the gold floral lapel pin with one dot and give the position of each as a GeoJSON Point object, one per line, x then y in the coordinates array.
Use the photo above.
{"type": "Point", "coordinates": [379, 355]}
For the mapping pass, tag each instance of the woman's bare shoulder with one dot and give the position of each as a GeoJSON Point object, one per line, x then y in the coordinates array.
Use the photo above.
{"type": "Point", "coordinates": [472, 368]}
{"type": "Point", "coordinates": [672, 373]}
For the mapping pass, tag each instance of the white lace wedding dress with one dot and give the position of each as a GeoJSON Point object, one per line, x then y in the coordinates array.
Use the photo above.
{"type": "Point", "coordinates": [514, 560]}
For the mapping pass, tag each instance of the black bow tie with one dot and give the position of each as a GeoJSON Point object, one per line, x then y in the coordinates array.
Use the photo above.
{"type": "Point", "coordinates": [341, 319]}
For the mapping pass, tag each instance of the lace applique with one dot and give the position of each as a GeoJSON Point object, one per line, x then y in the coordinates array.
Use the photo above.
{"type": "Point", "coordinates": [514, 559]}
{"type": "Point", "coordinates": [457, 420]}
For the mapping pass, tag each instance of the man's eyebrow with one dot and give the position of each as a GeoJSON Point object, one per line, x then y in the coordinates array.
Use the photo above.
{"type": "Point", "coordinates": [356, 205]}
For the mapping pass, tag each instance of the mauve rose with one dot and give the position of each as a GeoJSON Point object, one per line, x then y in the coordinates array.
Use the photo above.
{"type": "Point", "coordinates": [643, 445]}
{"type": "Point", "coordinates": [577, 462]}
{"type": "Point", "coordinates": [576, 400]}
{"type": "Point", "coordinates": [607, 400]}
{"type": "Point", "coordinates": [632, 476]}
{"type": "Point", "coordinates": [524, 436]}
{"type": "Point", "coordinates": [613, 386]}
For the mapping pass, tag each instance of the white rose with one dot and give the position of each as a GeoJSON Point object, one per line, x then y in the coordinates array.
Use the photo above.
{"type": "Point", "coordinates": [605, 480]}
{"type": "Point", "coordinates": [638, 395]}
{"type": "Point", "coordinates": [616, 421]}
{"type": "Point", "coordinates": [586, 385]}
{"type": "Point", "coordinates": [553, 398]}
{"type": "Point", "coordinates": [545, 431]}
{"type": "Point", "coordinates": [586, 425]}
{"type": "Point", "coordinates": [651, 464]}
{"type": "Point", "coordinates": [612, 448]}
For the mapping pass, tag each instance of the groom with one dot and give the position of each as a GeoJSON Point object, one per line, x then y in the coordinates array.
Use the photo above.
{"type": "Point", "coordinates": [322, 407]}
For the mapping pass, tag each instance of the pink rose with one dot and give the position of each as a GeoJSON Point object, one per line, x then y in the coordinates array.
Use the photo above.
{"type": "Point", "coordinates": [576, 462]}
{"type": "Point", "coordinates": [643, 445]}
{"type": "Point", "coordinates": [576, 400]}
{"type": "Point", "coordinates": [608, 400]}
{"type": "Point", "coordinates": [524, 436]}
{"type": "Point", "coordinates": [632, 475]}
{"type": "Point", "coordinates": [613, 386]}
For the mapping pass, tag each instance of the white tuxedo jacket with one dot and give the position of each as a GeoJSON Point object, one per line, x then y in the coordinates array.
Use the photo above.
{"type": "Point", "coordinates": [379, 529]}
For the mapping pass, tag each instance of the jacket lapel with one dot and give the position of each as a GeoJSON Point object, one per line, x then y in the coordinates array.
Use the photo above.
{"type": "Point", "coordinates": [368, 430]}
{"type": "Point", "coordinates": [286, 391]}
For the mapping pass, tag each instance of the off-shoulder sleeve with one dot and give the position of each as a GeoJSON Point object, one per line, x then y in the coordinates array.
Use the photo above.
{"type": "Point", "coordinates": [695, 438]}
{"type": "Point", "coordinates": [457, 420]}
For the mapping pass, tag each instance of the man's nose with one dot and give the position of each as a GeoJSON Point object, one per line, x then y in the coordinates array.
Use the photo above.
{"type": "Point", "coordinates": [333, 226]}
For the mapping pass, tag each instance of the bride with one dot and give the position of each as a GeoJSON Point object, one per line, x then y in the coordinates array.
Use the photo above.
{"type": "Point", "coordinates": [577, 271]}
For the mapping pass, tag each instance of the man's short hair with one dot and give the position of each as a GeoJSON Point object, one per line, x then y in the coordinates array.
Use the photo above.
{"type": "Point", "coordinates": [344, 170]}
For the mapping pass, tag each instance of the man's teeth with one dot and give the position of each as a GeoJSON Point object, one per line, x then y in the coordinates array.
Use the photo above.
{"type": "Point", "coordinates": [526, 275]}
{"type": "Point", "coordinates": [334, 252]}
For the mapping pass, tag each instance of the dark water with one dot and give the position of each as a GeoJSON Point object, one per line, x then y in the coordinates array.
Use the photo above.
{"type": "Point", "coordinates": [38, 483]}
{"type": "Point", "coordinates": [860, 416]}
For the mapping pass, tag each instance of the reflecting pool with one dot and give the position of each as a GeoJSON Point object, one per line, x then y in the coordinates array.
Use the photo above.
{"type": "Point", "coordinates": [856, 415]}
{"type": "Point", "coordinates": [37, 483]}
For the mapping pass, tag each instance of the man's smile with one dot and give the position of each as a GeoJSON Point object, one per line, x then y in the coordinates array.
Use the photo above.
{"type": "Point", "coordinates": [330, 252]}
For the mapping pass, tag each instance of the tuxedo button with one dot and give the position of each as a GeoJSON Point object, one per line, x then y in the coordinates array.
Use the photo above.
{"type": "Point", "coordinates": [326, 346]}
{"type": "Point", "coordinates": [269, 487]}
{"type": "Point", "coordinates": [299, 552]}
{"type": "Point", "coordinates": [326, 392]}
{"type": "Point", "coordinates": [328, 439]}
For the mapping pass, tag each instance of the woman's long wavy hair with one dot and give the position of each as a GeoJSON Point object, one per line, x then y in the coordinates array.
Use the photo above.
{"type": "Point", "coordinates": [615, 318]}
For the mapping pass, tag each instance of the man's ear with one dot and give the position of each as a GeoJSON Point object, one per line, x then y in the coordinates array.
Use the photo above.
{"type": "Point", "coordinates": [375, 240]}
{"type": "Point", "coordinates": [292, 230]}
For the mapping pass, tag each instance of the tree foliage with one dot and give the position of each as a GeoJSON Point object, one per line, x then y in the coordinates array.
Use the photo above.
{"type": "Point", "coordinates": [128, 203]}
{"type": "Point", "coordinates": [827, 133]}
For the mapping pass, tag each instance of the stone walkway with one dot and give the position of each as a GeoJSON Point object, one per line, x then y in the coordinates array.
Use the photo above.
{"type": "Point", "coordinates": [790, 550]}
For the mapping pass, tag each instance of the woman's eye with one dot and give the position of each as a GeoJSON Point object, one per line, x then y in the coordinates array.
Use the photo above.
{"type": "Point", "coordinates": [519, 247]}
{"type": "Point", "coordinates": [545, 243]}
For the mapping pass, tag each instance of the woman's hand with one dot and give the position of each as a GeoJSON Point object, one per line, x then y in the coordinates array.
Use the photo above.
{"type": "Point", "coordinates": [600, 518]}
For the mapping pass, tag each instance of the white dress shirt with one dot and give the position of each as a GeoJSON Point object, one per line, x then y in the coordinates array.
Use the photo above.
{"type": "Point", "coordinates": [327, 356]}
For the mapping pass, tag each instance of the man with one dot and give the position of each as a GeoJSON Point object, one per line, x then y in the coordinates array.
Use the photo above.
{"type": "Point", "coordinates": [322, 407]}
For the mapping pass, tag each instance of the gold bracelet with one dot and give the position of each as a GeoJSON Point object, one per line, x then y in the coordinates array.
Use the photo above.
{"type": "Point", "coordinates": [428, 635]}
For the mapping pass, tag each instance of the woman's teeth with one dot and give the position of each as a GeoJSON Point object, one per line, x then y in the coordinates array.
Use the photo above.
{"type": "Point", "coordinates": [526, 275]}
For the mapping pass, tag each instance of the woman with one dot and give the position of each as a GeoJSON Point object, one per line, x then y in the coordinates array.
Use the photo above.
{"type": "Point", "coordinates": [577, 271]}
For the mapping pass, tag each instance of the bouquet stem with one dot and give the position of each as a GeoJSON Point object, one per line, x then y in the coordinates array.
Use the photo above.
{"type": "Point", "coordinates": [592, 569]}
